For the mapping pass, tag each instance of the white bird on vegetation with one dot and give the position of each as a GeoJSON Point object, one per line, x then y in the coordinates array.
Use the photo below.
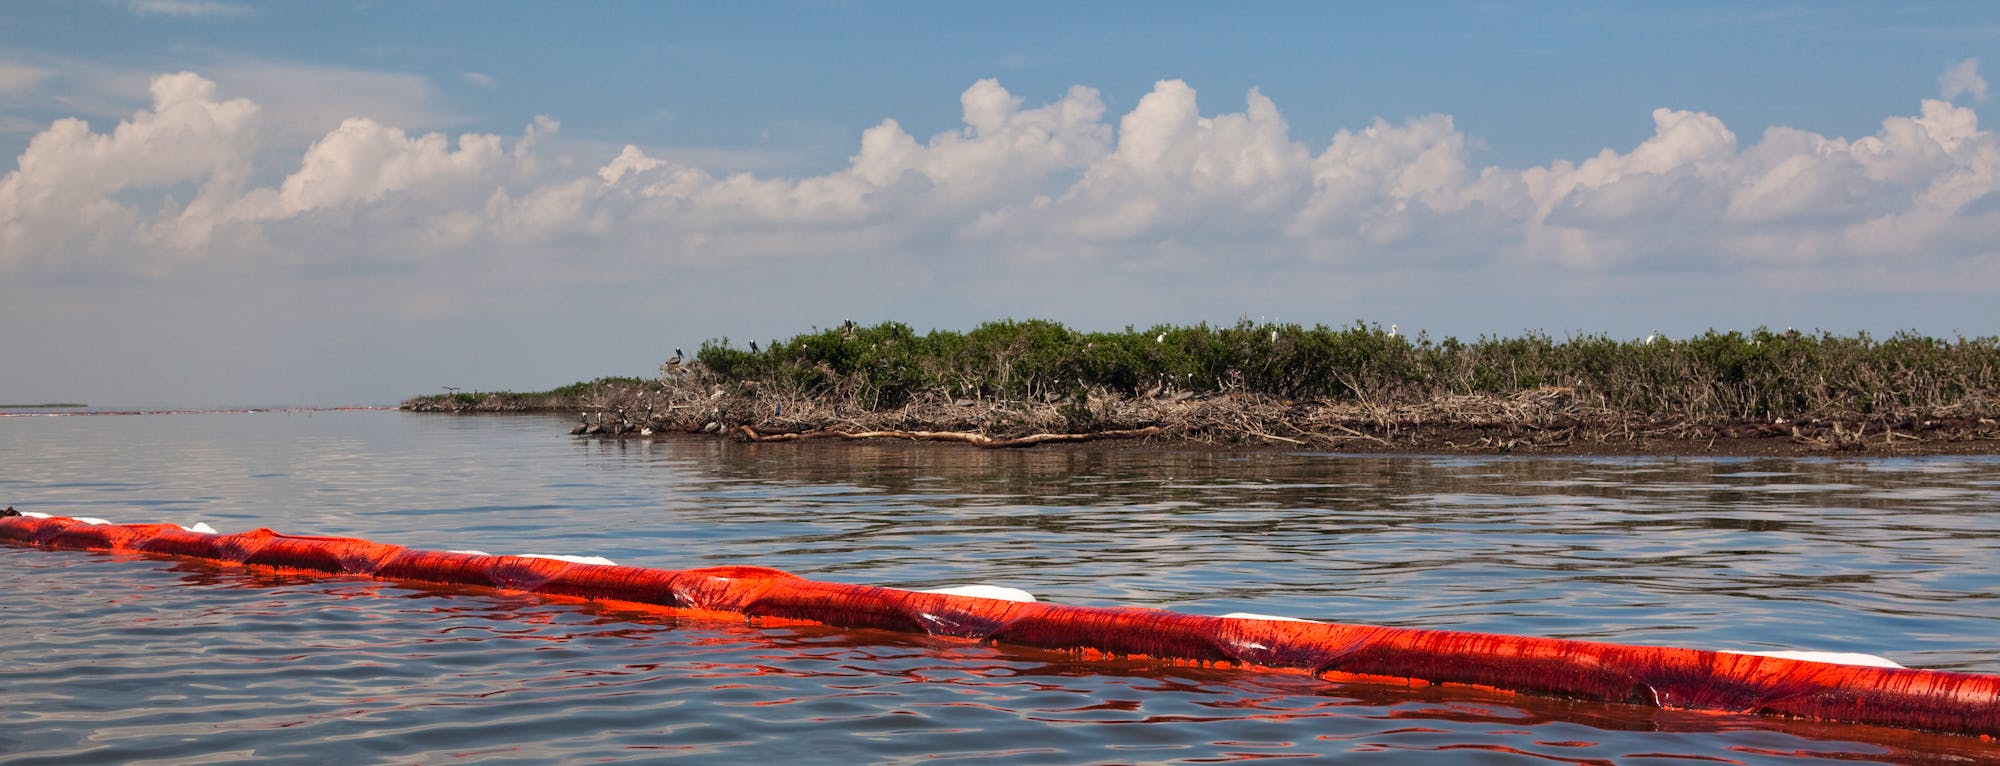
{"type": "Point", "coordinates": [1393, 332]}
{"type": "Point", "coordinates": [1653, 337]}
{"type": "Point", "coordinates": [1161, 339]}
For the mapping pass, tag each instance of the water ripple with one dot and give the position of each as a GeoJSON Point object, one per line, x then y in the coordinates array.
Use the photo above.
{"type": "Point", "coordinates": [131, 660]}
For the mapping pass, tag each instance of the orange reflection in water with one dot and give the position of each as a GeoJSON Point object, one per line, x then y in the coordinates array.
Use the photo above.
{"type": "Point", "coordinates": [890, 674]}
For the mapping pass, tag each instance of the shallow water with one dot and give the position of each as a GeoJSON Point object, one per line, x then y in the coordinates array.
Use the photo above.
{"type": "Point", "coordinates": [123, 659]}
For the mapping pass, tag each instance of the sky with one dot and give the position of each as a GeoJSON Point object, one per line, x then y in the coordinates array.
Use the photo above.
{"type": "Point", "coordinates": [221, 203]}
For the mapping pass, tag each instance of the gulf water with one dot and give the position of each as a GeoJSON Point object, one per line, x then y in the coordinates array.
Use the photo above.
{"type": "Point", "coordinates": [121, 659]}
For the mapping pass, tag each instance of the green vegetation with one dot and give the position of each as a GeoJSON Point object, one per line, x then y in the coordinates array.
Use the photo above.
{"type": "Point", "coordinates": [570, 397]}
{"type": "Point", "coordinates": [1358, 387]}
{"type": "Point", "coordinates": [1713, 377]}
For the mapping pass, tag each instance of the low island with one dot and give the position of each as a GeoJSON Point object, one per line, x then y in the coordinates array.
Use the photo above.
{"type": "Point", "coordinates": [1359, 388]}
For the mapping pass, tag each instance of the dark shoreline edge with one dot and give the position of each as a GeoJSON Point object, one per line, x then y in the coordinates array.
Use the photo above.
{"type": "Point", "coordinates": [1541, 422]}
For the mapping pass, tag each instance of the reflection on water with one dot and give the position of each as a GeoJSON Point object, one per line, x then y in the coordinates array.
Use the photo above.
{"type": "Point", "coordinates": [119, 659]}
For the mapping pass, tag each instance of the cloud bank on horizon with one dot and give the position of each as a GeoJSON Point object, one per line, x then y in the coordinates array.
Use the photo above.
{"type": "Point", "coordinates": [187, 185]}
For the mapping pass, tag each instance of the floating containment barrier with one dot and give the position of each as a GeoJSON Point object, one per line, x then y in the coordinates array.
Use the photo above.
{"type": "Point", "coordinates": [1687, 679]}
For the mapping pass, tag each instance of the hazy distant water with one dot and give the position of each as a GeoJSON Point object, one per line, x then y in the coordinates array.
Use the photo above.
{"type": "Point", "coordinates": [118, 659]}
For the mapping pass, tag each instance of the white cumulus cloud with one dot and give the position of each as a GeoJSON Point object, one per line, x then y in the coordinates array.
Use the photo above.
{"type": "Point", "coordinates": [1164, 183]}
{"type": "Point", "coordinates": [67, 197]}
{"type": "Point", "coordinates": [364, 162]}
{"type": "Point", "coordinates": [893, 189]}
{"type": "Point", "coordinates": [1961, 79]}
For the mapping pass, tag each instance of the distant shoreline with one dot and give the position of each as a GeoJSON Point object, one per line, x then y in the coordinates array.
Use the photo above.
{"type": "Point", "coordinates": [1360, 389]}
{"type": "Point", "coordinates": [199, 411]}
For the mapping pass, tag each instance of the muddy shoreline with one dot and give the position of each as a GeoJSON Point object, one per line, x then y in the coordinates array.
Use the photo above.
{"type": "Point", "coordinates": [1546, 421]}
{"type": "Point", "coordinates": [1606, 441]}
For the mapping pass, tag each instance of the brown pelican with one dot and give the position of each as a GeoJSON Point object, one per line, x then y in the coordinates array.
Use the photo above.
{"type": "Point", "coordinates": [672, 367]}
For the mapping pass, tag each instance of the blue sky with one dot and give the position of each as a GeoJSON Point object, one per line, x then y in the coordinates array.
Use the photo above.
{"type": "Point", "coordinates": [324, 203]}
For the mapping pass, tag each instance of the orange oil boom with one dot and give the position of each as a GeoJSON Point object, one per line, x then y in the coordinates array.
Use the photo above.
{"type": "Point", "coordinates": [1688, 679]}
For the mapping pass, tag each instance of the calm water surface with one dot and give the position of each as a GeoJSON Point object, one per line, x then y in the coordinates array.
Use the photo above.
{"type": "Point", "coordinates": [117, 659]}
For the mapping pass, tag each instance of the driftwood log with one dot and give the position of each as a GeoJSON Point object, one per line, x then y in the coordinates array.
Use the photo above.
{"type": "Point", "coordinates": [974, 438]}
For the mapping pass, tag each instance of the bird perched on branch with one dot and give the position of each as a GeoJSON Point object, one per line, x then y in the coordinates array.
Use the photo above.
{"type": "Point", "coordinates": [753, 348]}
